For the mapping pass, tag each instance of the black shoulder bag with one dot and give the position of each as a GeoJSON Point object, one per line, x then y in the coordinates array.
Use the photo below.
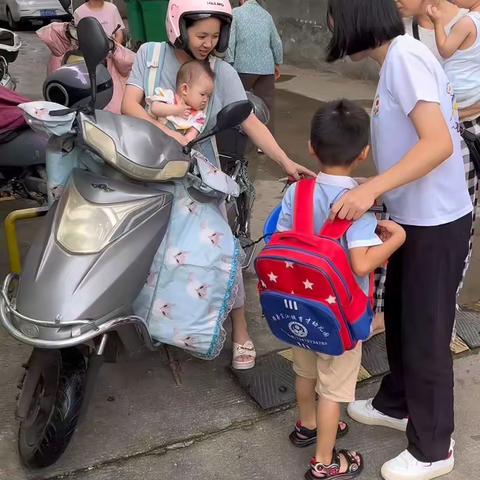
{"type": "Point", "coordinates": [416, 33]}
{"type": "Point", "coordinates": [473, 144]}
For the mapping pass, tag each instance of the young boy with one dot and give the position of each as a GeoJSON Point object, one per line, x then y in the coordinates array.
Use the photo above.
{"type": "Point", "coordinates": [185, 108]}
{"type": "Point", "coordinates": [340, 141]}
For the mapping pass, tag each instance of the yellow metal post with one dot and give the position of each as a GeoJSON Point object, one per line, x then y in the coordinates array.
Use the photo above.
{"type": "Point", "coordinates": [11, 233]}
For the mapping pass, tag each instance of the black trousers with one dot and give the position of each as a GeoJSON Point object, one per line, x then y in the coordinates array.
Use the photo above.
{"type": "Point", "coordinates": [262, 86]}
{"type": "Point", "coordinates": [420, 303]}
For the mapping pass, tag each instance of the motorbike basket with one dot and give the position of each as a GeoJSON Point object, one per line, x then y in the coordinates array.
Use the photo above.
{"type": "Point", "coordinates": [9, 45]}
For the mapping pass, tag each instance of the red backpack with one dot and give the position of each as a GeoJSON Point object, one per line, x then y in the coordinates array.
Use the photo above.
{"type": "Point", "coordinates": [308, 292]}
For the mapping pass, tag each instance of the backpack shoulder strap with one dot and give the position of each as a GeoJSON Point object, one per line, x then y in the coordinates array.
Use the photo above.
{"type": "Point", "coordinates": [336, 229]}
{"type": "Point", "coordinates": [303, 207]}
{"type": "Point", "coordinates": [155, 60]}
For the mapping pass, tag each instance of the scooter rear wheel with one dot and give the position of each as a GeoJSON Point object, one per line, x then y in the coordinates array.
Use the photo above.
{"type": "Point", "coordinates": [55, 388]}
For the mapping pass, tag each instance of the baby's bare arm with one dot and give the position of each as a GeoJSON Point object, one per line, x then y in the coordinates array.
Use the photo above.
{"type": "Point", "coordinates": [449, 44]}
{"type": "Point", "coordinates": [163, 110]}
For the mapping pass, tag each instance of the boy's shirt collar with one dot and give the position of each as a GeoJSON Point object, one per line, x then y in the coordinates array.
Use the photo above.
{"type": "Point", "coordinates": [336, 180]}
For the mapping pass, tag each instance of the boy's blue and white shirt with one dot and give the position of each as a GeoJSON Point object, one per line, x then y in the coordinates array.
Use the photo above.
{"type": "Point", "coordinates": [329, 189]}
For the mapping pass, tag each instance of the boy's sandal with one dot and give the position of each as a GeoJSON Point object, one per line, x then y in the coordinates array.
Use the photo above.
{"type": "Point", "coordinates": [243, 356]}
{"type": "Point", "coordinates": [354, 467]}
{"type": "Point", "coordinates": [303, 437]}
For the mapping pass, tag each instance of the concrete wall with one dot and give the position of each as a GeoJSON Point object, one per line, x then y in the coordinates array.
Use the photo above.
{"type": "Point", "coordinates": [302, 26]}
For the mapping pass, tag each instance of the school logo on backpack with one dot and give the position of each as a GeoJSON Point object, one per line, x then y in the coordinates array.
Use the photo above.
{"type": "Point", "coordinates": [308, 291]}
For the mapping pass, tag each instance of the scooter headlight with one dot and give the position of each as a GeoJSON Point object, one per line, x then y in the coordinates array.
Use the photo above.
{"type": "Point", "coordinates": [88, 228]}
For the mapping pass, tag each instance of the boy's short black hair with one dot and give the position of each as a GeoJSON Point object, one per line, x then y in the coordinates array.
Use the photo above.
{"type": "Point", "coordinates": [360, 25]}
{"type": "Point", "coordinates": [192, 70]}
{"type": "Point", "coordinates": [340, 131]}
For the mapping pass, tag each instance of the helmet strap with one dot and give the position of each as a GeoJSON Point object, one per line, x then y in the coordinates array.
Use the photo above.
{"type": "Point", "coordinates": [183, 40]}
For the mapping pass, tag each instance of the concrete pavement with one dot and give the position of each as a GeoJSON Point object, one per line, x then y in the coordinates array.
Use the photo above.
{"type": "Point", "coordinates": [141, 426]}
{"type": "Point", "coordinates": [259, 449]}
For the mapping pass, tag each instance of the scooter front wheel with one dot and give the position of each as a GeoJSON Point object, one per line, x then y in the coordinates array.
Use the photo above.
{"type": "Point", "coordinates": [51, 398]}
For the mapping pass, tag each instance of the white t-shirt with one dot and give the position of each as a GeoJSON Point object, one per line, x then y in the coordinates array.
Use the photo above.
{"type": "Point", "coordinates": [411, 74]}
{"type": "Point", "coordinates": [427, 36]}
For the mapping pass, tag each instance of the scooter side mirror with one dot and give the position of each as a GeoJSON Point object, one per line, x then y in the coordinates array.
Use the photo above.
{"type": "Point", "coordinates": [93, 42]}
{"type": "Point", "coordinates": [228, 117]}
{"type": "Point", "coordinates": [95, 46]}
{"type": "Point", "coordinates": [233, 115]}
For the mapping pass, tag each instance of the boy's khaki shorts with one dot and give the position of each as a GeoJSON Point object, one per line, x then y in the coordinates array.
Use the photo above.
{"type": "Point", "coordinates": [336, 376]}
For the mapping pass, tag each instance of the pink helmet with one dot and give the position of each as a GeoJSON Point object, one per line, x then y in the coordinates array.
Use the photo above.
{"type": "Point", "coordinates": [181, 10]}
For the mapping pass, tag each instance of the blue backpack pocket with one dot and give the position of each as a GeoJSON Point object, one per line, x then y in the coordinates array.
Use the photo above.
{"type": "Point", "coordinates": [362, 328]}
{"type": "Point", "coordinates": [302, 322]}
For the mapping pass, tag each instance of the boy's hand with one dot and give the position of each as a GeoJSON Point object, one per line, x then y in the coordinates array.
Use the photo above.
{"type": "Point", "coordinates": [434, 14]}
{"type": "Point", "coordinates": [388, 229]}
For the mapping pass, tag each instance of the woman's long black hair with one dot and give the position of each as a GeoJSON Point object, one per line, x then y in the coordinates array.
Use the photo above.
{"type": "Point", "coordinates": [359, 25]}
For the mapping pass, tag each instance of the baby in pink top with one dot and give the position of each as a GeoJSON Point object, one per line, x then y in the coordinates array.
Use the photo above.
{"type": "Point", "coordinates": [184, 109]}
{"type": "Point", "coordinates": [106, 13]}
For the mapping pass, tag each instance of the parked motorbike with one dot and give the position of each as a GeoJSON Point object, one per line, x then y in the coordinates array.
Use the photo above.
{"type": "Point", "coordinates": [22, 150]}
{"type": "Point", "coordinates": [92, 254]}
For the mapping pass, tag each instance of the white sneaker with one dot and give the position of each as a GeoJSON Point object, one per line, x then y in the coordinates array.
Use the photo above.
{"type": "Point", "coordinates": [363, 411]}
{"type": "Point", "coordinates": [407, 467]}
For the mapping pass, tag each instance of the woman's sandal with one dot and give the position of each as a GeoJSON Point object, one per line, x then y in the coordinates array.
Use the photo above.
{"type": "Point", "coordinates": [354, 467]}
{"type": "Point", "coordinates": [245, 350]}
{"type": "Point", "coordinates": [303, 437]}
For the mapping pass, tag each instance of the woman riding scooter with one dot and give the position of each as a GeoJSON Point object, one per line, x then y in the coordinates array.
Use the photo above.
{"type": "Point", "coordinates": [198, 29]}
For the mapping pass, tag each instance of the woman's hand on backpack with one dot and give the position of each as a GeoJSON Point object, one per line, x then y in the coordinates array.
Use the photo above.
{"type": "Point", "coordinates": [295, 170]}
{"type": "Point", "coordinates": [354, 203]}
{"type": "Point", "coordinates": [263, 139]}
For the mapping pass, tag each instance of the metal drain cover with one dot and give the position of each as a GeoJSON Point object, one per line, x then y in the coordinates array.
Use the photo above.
{"type": "Point", "coordinates": [374, 356]}
{"type": "Point", "coordinates": [271, 383]}
{"type": "Point", "coordinates": [468, 327]}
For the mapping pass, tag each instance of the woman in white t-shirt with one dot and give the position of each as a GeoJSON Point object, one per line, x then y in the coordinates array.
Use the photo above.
{"type": "Point", "coordinates": [416, 147]}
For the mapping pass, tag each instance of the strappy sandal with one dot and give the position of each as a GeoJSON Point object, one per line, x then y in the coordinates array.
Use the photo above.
{"type": "Point", "coordinates": [354, 467]}
{"type": "Point", "coordinates": [245, 350]}
{"type": "Point", "coordinates": [303, 437]}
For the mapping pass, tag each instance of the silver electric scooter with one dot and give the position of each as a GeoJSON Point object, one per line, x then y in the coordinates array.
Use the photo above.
{"type": "Point", "coordinates": [90, 258]}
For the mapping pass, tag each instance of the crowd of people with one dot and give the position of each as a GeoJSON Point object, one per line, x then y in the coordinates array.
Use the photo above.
{"type": "Point", "coordinates": [428, 94]}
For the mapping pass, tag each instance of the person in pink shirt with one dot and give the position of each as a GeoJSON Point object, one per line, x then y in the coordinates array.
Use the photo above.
{"type": "Point", "coordinates": [106, 13]}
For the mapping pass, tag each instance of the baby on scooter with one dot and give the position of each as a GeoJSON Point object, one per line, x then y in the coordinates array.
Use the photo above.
{"type": "Point", "coordinates": [184, 109]}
